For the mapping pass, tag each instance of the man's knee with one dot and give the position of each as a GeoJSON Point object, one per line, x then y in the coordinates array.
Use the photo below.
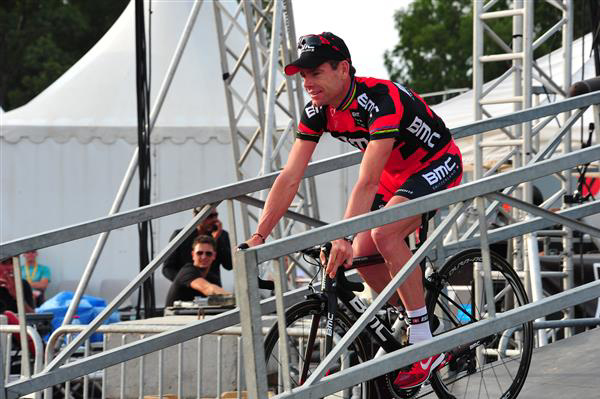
{"type": "Point", "coordinates": [381, 236]}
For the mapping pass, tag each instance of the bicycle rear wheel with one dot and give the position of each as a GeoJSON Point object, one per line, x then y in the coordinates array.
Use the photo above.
{"type": "Point", "coordinates": [495, 366]}
{"type": "Point", "coordinates": [298, 326]}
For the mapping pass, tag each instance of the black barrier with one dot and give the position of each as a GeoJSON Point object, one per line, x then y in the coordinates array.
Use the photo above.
{"type": "Point", "coordinates": [584, 87]}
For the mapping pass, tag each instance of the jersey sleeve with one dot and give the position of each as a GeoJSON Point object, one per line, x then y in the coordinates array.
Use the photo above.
{"type": "Point", "coordinates": [312, 123]}
{"type": "Point", "coordinates": [385, 112]}
{"type": "Point", "coordinates": [187, 274]}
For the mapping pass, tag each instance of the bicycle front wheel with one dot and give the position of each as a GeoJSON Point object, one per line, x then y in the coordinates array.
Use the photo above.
{"type": "Point", "coordinates": [299, 319]}
{"type": "Point", "coordinates": [492, 367]}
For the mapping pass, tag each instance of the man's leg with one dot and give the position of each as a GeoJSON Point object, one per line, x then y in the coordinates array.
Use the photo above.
{"type": "Point", "coordinates": [389, 241]}
{"type": "Point", "coordinates": [376, 276]}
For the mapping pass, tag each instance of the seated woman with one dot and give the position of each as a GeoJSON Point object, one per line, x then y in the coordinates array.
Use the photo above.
{"type": "Point", "coordinates": [194, 278]}
{"type": "Point", "coordinates": [37, 275]}
{"type": "Point", "coordinates": [8, 291]}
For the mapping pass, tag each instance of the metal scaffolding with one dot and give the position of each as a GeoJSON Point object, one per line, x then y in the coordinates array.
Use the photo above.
{"type": "Point", "coordinates": [519, 140]}
{"type": "Point", "coordinates": [246, 261]}
{"type": "Point", "coordinates": [273, 99]}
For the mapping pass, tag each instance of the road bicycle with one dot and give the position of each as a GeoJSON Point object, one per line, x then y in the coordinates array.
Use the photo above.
{"type": "Point", "coordinates": [492, 367]}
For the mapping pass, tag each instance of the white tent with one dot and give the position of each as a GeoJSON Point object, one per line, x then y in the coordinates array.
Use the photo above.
{"type": "Point", "coordinates": [459, 111]}
{"type": "Point", "coordinates": [64, 154]}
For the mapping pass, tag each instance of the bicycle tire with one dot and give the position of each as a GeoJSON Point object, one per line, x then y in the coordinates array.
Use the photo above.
{"type": "Point", "coordinates": [299, 317]}
{"type": "Point", "coordinates": [483, 371]}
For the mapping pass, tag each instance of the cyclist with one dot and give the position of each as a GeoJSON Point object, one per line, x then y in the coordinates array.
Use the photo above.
{"type": "Point", "coordinates": [408, 153]}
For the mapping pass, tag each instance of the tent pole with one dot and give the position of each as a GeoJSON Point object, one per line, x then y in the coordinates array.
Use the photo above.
{"type": "Point", "coordinates": [126, 182]}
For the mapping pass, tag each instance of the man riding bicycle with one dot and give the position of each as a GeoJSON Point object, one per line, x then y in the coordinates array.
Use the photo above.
{"type": "Point", "coordinates": [408, 153]}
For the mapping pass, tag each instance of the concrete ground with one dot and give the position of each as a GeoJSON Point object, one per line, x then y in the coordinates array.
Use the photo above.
{"type": "Point", "coordinates": [569, 368]}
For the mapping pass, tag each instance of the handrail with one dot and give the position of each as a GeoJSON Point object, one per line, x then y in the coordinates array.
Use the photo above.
{"type": "Point", "coordinates": [283, 246]}
{"type": "Point", "coordinates": [426, 203]}
{"type": "Point", "coordinates": [233, 190]}
{"type": "Point", "coordinates": [139, 348]}
{"type": "Point", "coordinates": [38, 344]}
{"type": "Point", "coordinates": [469, 333]}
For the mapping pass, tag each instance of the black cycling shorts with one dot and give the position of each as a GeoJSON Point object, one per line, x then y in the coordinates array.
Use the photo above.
{"type": "Point", "coordinates": [445, 172]}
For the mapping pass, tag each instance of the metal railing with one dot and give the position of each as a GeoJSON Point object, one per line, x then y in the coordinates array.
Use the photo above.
{"type": "Point", "coordinates": [246, 261]}
{"type": "Point", "coordinates": [123, 333]}
{"type": "Point", "coordinates": [6, 348]}
{"type": "Point", "coordinates": [240, 189]}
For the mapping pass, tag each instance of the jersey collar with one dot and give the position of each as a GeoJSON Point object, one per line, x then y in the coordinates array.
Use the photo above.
{"type": "Point", "coordinates": [349, 96]}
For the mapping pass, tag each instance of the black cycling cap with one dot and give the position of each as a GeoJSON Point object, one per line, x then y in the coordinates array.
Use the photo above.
{"type": "Point", "coordinates": [317, 49]}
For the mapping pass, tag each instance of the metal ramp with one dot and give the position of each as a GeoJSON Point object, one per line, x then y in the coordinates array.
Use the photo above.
{"type": "Point", "coordinates": [566, 369]}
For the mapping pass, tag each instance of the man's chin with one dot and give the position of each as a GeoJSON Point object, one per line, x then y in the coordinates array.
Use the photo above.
{"type": "Point", "coordinates": [317, 103]}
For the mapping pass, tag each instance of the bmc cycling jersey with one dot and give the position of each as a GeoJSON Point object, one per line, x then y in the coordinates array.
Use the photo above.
{"type": "Point", "coordinates": [376, 109]}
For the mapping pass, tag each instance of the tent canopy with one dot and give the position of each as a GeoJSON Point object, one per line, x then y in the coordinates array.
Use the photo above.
{"type": "Point", "coordinates": [96, 97]}
{"type": "Point", "coordinates": [459, 110]}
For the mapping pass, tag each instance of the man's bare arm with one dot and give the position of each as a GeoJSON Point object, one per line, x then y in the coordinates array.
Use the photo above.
{"type": "Point", "coordinates": [361, 199]}
{"type": "Point", "coordinates": [206, 288]}
{"type": "Point", "coordinates": [371, 167]}
{"type": "Point", "coordinates": [284, 189]}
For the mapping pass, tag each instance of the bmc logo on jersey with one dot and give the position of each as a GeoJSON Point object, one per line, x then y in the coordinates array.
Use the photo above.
{"type": "Point", "coordinates": [367, 103]}
{"type": "Point", "coordinates": [360, 143]}
{"type": "Point", "coordinates": [311, 111]}
{"type": "Point", "coordinates": [423, 132]}
{"type": "Point", "coordinates": [438, 174]}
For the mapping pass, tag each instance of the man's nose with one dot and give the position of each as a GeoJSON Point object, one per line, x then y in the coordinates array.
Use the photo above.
{"type": "Point", "coordinates": [307, 83]}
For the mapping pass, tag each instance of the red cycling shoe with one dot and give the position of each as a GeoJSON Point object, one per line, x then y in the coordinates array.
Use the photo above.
{"type": "Point", "coordinates": [419, 372]}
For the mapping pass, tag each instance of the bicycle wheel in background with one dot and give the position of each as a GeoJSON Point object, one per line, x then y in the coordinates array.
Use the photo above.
{"type": "Point", "coordinates": [298, 321]}
{"type": "Point", "coordinates": [495, 366]}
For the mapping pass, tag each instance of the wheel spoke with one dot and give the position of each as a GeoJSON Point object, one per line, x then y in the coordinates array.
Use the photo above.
{"type": "Point", "coordinates": [305, 331]}
{"type": "Point", "coordinates": [501, 370]}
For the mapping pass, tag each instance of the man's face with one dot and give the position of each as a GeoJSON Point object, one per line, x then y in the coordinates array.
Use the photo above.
{"type": "Point", "coordinates": [30, 256]}
{"type": "Point", "coordinates": [203, 255]}
{"type": "Point", "coordinates": [325, 85]}
{"type": "Point", "coordinates": [207, 225]}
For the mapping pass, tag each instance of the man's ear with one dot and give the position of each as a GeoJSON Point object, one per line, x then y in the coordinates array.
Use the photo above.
{"type": "Point", "coordinates": [346, 67]}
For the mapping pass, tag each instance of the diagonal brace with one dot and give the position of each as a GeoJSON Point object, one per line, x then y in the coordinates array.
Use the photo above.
{"type": "Point", "coordinates": [559, 219]}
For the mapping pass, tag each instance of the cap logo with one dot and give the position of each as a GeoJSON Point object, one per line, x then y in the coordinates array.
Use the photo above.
{"type": "Point", "coordinates": [307, 48]}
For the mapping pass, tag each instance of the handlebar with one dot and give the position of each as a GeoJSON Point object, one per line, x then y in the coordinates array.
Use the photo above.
{"type": "Point", "coordinates": [315, 253]}
{"type": "Point", "coordinates": [340, 278]}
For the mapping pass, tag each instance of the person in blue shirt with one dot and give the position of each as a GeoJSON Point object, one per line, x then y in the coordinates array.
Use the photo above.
{"type": "Point", "coordinates": [38, 276]}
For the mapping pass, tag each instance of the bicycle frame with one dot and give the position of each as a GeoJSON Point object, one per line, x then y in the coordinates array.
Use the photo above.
{"type": "Point", "coordinates": [377, 328]}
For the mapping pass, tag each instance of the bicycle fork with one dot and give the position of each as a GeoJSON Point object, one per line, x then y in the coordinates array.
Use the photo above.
{"type": "Point", "coordinates": [328, 290]}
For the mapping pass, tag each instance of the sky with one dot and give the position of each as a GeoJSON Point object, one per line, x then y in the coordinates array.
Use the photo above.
{"type": "Point", "coordinates": [367, 27]}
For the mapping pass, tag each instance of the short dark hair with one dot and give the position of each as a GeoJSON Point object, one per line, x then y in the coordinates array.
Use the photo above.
{"type": "Point", "coordinates": [334, 64]}
{"type": "Point", "coordinates": [204, 239]}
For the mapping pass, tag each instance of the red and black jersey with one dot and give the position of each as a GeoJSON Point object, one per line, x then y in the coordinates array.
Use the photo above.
{"type": "Point", "coordinates": [376, 109]}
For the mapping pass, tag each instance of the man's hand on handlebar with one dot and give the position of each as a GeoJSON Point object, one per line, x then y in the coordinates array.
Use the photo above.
{"type": "Point", "coordinates": [341, 254]}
